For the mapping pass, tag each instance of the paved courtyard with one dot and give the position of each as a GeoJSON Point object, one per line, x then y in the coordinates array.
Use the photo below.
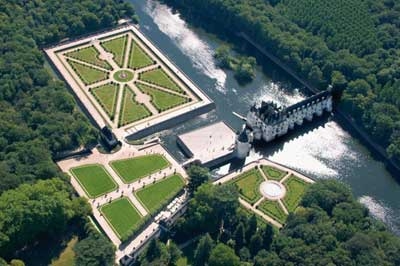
{"type": "Point", "coordinates": [124, 189]}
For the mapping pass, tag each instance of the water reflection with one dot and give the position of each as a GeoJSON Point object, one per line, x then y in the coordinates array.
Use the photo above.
{"type": "Point", "coordinates": [188, 41]}
{"type": "Point", "coordinates": [321, 150]}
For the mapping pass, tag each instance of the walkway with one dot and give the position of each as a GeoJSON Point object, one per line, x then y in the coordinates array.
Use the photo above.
{"type": "Point", "coordinates": [253, 207]}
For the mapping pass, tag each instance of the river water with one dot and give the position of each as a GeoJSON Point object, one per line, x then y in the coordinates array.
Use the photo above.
{"type": "Point", "coordinates": [323, 150]}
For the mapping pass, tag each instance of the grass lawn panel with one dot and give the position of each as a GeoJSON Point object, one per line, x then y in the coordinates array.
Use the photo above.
{"type": "Point", "coordinates": [156, 195]}
{"type": "Point", "coordinates": [117, 47]}
{"type": "Point", "coordinates": [94, 179]}
{"type": "Point", "coordinates": [87, 74]}
{"type": "Point", "coordinates": [273, 209]}
{"type": "Point", "coordinates": [107, 95]}
{"type": "Point", "coordinates": [295, 189]}
{"type": "Point", "coordinates": [160, 78]}
{"type": "Point", "coordinates": [160, 99]}
{"type": "Point", "coordinates": [122, 216]}
{"type": "Point", "coordinates": [131, 110]}
{"type": "Point", "coordinates": [138, 58]}
{"type": "Point", "coordinates": [134, 168]}
{"type": "Point", "coordinates": [273, 173]}
{"type": "Point", "coordinates": [249, 185]}
{"type": "Point", "coordinates": [89, 55]}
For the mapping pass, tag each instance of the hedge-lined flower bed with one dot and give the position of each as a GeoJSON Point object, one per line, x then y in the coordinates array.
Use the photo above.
{"type": "Point", "coordinates": [106, 95]}
{"type": "Point", "coordinates": [131, 110]}
{"type": "Point", "coordinates": [89, 75]}
{"type": "Point", "coordinates": [162, 100]}
{"type": "Point", "coordinates": [115, 46]}
{"type": "Point", "coordinates": [89, 55]}
{"type": "Point", "coordinates": [161, 78]}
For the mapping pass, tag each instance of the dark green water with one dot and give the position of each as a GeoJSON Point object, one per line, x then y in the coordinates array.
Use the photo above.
{"type": "Point", "coordinates": [323, 150]}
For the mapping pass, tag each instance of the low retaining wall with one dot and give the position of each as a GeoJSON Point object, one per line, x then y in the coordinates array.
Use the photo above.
{"type": "Point", "coordinates": [171, 122]}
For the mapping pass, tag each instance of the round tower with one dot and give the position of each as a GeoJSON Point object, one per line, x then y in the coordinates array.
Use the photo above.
{"type": "Point", "coordinates": [243, 145]}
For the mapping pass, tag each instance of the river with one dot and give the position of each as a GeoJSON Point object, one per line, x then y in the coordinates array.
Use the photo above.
{"type": "Point", "coordinates": [324, 150]}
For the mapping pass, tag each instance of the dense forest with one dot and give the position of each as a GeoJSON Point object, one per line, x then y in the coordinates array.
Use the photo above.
{"type": "Point", "coordinates": [39, 117]}
{"type": "Point", "coordinates": [354, 45]}
{"type": "Point", "coordinates": [329, 228]}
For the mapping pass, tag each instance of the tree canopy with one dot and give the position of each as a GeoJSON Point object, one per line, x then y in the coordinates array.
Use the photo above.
{"type": "Point", "coordinates": [329, 228]}
{"type": "Point", "coordinates": [351, 44]}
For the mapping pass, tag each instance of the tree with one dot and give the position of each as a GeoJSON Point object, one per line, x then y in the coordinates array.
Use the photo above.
{"type": "Point", "coordinates": [326, 194]}
{"type": "Point", "coordinates": [256, 244]}
{"type": "Point", "coordinates": [268, 236]}
{"type": "Point", "coordinates": [222, 55]}
{"type": "Point", "coordinates": [210, 207]}
{"type": "Point", "coordinates": [95, 250]}
{"type": "Point", "coordinates": [174, 253]}
{"type": "Point", "coordinates": [239, 237]}
{"type": "Point", "coordinates": [197, 176]}
{"type": "Point", "coordinates": [222, 255]}
{"type": "Point", "coordinates": [203, 250]}
{"type": "Point", "coordinates": [251, 228]}
{"type": "Point", "coordinates": [42, 208]}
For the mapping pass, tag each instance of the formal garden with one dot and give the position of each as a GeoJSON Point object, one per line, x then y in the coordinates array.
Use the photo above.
{"type": "Point", "coordinates": [162, 100]}
{"type": "Point", "coordinates": [138, 58]}
{"type": "Point", "coordinates": [131, 110]}
{"type": "Point", "coordinates": [270, 190]}
{"type": "Point", "coordinates": [157, 195]}
{"type": "Point", "coordinates": [117, 47]}
{"type": "Point", "coordinates": [122, 216]}
{"type": "Point", "coordinates": [117, 71]}
{"type": "Point", "coordinates": [135, 168]}
{"type": "Point", "coordinates": [94, 179]}
{"type": "Point", "coordinates": [160, 78]}
{"type": "Point", "coordinates": [107, 95]}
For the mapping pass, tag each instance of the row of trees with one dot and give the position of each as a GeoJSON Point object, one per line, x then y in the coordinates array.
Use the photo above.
{"type": "Point", "coordinates": [39, 118]}
{"type": "Point", "coordinates": [364, 59]}
{"type": "Point", "coordinates": [329, 228]}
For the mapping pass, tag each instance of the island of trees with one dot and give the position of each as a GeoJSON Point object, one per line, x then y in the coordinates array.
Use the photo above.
{"type": "Point", "coordinates": [243, 66]}
{"type": "Point", "coordinates": [354, 45]}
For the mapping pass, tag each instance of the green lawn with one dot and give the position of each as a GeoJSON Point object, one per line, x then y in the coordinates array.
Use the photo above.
{"type": "Point", "coordinates": [155, 196]}
{"type": "Point", "coordinates": [160, 78]}
{"type": "Point", "coordinates": [273, 173]}
{"type": "Point", "coordinates": [134, 168]}
{"type": "Point", "coordinates": [94, 179]}
{"type": "Point", "coordinates": [122, 217]}
{"type": "Point", "coordinates": [131, 110]}
{"type": "Point", "coordinates": [249, 185]}
{"type": "Point", "coordinates": [138, 58]}
{"type": "Point", "coordinates": [162, 100]}
{"type": "Point", "coordinates": [89, 55]}
{"type": "Point", "coordinates": [88, 74]}
{"type": "Point", "coordinates": [273, 209]}
{"type": "Point", "coordinates": [117, 47]}
{"type": "Point", "coordinates": [67, 257]}
{"type": "Point", "coordinates": [107, 95]}
{"type": "Point", "coordinates": [295, 189]}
